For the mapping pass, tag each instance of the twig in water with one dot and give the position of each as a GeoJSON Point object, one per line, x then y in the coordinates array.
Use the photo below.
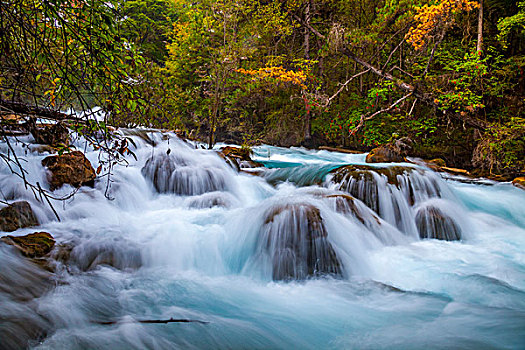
{"type": "Point", "coordinates": [171, 320]}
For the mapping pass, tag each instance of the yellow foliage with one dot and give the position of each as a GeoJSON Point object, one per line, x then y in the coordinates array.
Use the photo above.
{"type": "Point", "coordinates": [429, 16]}
{"type": "Point", "coordinates": [278, 73]}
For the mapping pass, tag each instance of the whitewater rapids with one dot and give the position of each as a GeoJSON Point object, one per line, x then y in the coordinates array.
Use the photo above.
{"type": "Point", "coordinates": [183, 234]}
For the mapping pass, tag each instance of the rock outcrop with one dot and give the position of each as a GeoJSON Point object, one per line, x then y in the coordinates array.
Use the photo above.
{"type": "Point", "coordinates": [17, 215]}
{"type": "Point", "coordinates": [34, 245]}
{"type": "Point", "coordinates": [70, 168]}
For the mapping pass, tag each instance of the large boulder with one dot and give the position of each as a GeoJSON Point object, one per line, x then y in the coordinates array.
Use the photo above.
{"type": "Point", "coordinates": [431, 222]}
{"type": "Point", "coordinates": [393, 152]}
{"type": "Point", "coordinates": [295, 238]}
{"type": "Point", "coordinates": [17, 215]}
{"type": "Point", "coordinates": [34, 245]}
{"type": "Point", "coordinates": [69, 168]}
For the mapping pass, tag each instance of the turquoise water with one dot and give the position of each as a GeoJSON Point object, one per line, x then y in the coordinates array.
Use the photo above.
{"type": "Point", "coordinates": [175, 256]}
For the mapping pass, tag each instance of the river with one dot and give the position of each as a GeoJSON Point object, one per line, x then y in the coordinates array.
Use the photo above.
{"type": "Point", "coordinates": [273, 261]}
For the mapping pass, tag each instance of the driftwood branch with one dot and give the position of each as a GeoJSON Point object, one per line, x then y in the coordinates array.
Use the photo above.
{"type": "Point", "coordinates": [171, 320]}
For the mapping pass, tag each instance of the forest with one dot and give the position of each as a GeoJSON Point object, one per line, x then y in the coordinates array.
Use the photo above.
{"type": "Point", "coordinates": [350, 73]}
{"type": "Point", "coordinates": [262, 174]}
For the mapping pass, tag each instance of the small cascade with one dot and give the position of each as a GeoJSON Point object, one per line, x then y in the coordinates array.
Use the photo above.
{"type": "Point", "coordinates": [432, 222]}
{"type": "Point", "coordinates": [391, 192]}
{"type": "Point", "coordinates": [358, 213]}
{"type": "Point", "coordinates": [295, 240]}
{"type": "Point", "coordinates": [211, 199]}
{"type": "Point", "coordinates": [180, 173]}
{"type": "Point", "coordinates": [321, 250]}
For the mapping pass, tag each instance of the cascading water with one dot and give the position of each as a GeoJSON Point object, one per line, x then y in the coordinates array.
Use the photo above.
{"type": "Point", "coordinates": [319, 251]}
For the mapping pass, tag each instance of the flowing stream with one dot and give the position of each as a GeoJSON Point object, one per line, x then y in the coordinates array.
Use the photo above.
{"type": "Point", "coordinates": [300, 256]}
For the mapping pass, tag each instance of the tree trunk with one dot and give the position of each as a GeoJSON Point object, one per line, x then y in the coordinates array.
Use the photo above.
{"type": "Point", "coordinates": [479, 46]}
{"type": "Point", "coordinates": [307, 31]}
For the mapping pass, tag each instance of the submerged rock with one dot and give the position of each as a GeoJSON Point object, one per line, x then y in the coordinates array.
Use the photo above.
{"type": "Point", "coordinates": [296, 240]}
{"type": "Point", "coordinates": [22, 282]}
{"type": "Point", "coordinates": [210, 200]}
{"type": "Point", "coordinates": [70, 168]}
{"type": "Point", "coordinates": [120, 254]}
{"type": "Point", "coordinates": [17, 215]}
{"type": "Point", "coordinates": [42, 149]}
{"type": "Point", "coordinates": [431, 222]}
{"type": "Point", "coordinates": [34, 245]}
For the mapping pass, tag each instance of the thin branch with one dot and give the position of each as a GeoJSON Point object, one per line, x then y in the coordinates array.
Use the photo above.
{"type": "Point", "coordinates": [365, 117]}
{"type": "Point", "coordinates": [171, 320]}
{"type": "Point", "coordinates": [343, 86]}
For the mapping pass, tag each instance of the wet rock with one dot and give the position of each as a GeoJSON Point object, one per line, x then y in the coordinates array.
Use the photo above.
{"type": "Point", "coordinates": [393, 152]}
{"type": "Point", "coordinates": [69, 168]}
{"type": "Point", "coordinates": [34, 245]}
{"type": "Point", "coordinates": [17, 215]}
{"type": "Point", "coordinates": [50, 134]}
{"type": "Point", "coordinates": [519, 182]}
{"type": "Point", "coordinates": [143, 134]}
{"type": "Point", "coordinates": [171, 173]}
{"type": "Point", "coordinates": [238, 158]}
{"type": "Point", "coordinates": [431, 222]}
{"type": "Point", "coordinates": [295, 238]}
{"type": "Point", "coordinates": [22, 281]}
{"type": "Point", "coordinates": [345, 204]}
{"type": "Point", "coordinates": [361, 181]}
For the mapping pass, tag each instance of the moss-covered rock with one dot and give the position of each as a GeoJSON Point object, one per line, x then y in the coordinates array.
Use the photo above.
{"type": "Point", "coordinates": [17, 215]}
{"type": "Point", "coordinates": [69, 168]}
{"type": "Point", "coordinates": [34, 245]}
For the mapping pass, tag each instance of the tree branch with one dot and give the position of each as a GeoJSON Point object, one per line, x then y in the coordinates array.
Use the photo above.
{"type": "Point", "coordinates": [402, 85]}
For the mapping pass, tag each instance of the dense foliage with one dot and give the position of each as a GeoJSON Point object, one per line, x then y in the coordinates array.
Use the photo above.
{"type": "Point", "coordinates": [353, 73]}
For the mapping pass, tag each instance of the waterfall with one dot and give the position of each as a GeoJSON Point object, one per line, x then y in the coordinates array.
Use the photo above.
{"type": "Point", "coordinates": [314, 249]}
